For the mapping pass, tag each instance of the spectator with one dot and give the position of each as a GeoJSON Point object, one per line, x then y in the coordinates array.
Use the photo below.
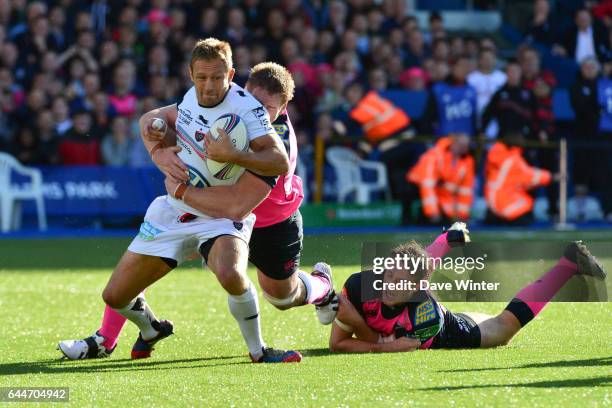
{"type": "Point", "coordinates": [79, 146]}
{"type": "Point", "coordinates": [451, 106]}
{"type": "Point", "coordinates": [512, 106]}
{"type": "Point", "coordinates": [414, 79]}
{"type": "Point", "coordinates": [61, 115]}
{"type": "Point", "coordinates": [25, 147]}
{"type": "Point", "coordinates": [416, 52]}
{"type": "Point", "coordinates": [584, 99]}
{"type": "Point", "coordinates": [48, 143]}
{"type": "Point", "coordinates": [236, 32]}
{"type": "Point", "coordinates": [584, 40]}
{"type": "Point", "coordinates": [116, 146]}
{"type": "Point", "coordinates": [583, 207]}
{"type": "Point", "coordinates": [530, 61]}
{"type": "Point", "coordinates": [508, 179]}
{"type": "Point", "coordinates": [542, 30]}
{"type": "Point", "coordinates": [486, 81]}
{"type": "Point", "coordinates": [444, 176]}
{"type": "Point", "coordinates": [123, 99]}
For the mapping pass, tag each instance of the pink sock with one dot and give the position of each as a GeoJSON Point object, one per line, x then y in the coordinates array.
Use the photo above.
{"type": "Point", "coordinates": [317, 287]}
{"type": "Point", "coordinates": [439, 247]}
{"type": "Point", "coordinates": [112, 324]}
{"type": "Point", "coordinates": [537, 294]}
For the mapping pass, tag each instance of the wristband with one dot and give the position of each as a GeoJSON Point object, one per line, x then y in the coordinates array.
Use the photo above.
{"type": "Point", "coordinates": [179, 193]}
{"type": "Point", "coordinates": [155, 148]}
{"type": "Point", "coordinates": [343, 326]}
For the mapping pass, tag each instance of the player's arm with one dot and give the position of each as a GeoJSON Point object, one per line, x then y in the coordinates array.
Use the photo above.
{"type": "Point", "coordinates": [161, 144]}
{"type": "Point", "coordinates": [150, 136]}
{"type": "Point", "coordinates": [342, 341]}
{"type": "Point", "coordinates": [268, 156]}
{"type": "Point", "coordinates": [235, 202]}
{"type": "Point", "coordinates": [351, 334]}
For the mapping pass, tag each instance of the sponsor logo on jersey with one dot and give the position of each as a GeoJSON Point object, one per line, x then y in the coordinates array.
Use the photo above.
{"type": "Point", "coordinates": [259, 112]}
{"type": "Point", "coordinates": [148, 232]}
{"type": "Point", "coordinates": [425, 312]}
{"type": "Point", "coordinates": [201, 121]}
{"type": "Point", "coordinates": [282, 130]}
{"type": "Point", "coordinates": [184, 116]}
{"type": "Point", "coordinates": [184, 145]}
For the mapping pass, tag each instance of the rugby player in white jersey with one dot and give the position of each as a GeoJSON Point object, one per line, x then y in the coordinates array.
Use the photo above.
{"type": "Point", "coordinates": [276, 241]}
{"type": "Point", "coordinates": [172, 228]}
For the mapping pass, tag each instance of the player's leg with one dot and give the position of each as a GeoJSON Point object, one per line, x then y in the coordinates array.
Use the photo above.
{"type": "Point", "coordinates": [275, 251]}
{"type": "Point", "coordinates": [529, 302]}
{"type": "Point", "coordinates": [457, 235]}
{"type": "Point", "coordinates": [227, 257]}
{"type": "Point", "coordinates": [124, 293]}
{"type": "Point", "coordinates": [133, 272]}
{"type": "Point", "coordinates": [100, 344]}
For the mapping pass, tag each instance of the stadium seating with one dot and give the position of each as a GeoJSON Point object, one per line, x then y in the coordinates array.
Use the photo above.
{"type": "Point", "coordinates": [347, 166]}
{"type": "Point", "coordinates": [11, 197]}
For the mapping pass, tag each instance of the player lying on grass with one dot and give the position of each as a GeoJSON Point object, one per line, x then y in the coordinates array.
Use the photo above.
{"type": "Point", "coordinates": [276, 241]}
{"type": "Point", "coordinates": [406, 320]}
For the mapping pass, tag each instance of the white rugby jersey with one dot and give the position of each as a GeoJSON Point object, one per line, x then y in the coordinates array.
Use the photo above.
{"type": "Point", "coordinates": [193, 122]}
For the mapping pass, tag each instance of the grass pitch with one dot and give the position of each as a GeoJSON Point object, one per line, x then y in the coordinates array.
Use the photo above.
{"type": "Point", "coordinates": [50, 291]}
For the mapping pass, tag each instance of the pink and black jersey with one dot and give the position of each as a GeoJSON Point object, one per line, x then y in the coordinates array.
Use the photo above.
{"type": "Point", "coordinates": [286, 197]}
{"type": "Point", "coordinates": [422, 318]}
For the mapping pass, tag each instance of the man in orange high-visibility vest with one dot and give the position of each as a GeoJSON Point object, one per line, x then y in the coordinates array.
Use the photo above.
{"type": "Point", "coordinates": [444, 175]}
{"type": "Point", "coordinates": [378, 117]}
{"type": "Point", "coordinates": [508, 179]}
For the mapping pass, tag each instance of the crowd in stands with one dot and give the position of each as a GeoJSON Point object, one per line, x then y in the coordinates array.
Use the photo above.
{"type": "Point", "coordinates": [75, 76]}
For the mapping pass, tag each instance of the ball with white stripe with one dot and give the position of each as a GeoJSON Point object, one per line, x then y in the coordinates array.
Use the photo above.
{"type": "Point", "coordinates": [236, 130]}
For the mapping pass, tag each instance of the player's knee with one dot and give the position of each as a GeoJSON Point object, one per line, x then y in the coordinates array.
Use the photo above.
{"type": "Point", "coordinates": [508, 326]}
{"type": "Point", "coordinates": [228, 276]}
{"type": "Point", "coordinates": [111, 298]}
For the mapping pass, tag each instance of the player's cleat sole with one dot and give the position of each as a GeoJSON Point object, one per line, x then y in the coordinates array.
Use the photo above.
{"type": "Point", "coordinates": [271, 355]}
{"type": "Point", "coordinates": [143, 348]}
{"type": "Point", "coordinates": [458, 234]}
{"type": "Point", "coordinates": [327, 308]}
{"type": "Point", "coordinates": [587, 264]}
{"type": "Point", "coordinates": [88, 348]}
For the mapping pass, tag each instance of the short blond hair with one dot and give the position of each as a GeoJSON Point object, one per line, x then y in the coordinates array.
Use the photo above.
{"type": "Point", "coordinates": [273, 78]}
{"type": "Point", "coordinates": [211, 49]}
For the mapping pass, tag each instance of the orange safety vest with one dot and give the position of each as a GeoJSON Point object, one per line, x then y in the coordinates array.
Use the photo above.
{"type": "Point", "coordinates": [378, 117]}
{"type": "Point", "coordinates": [508, 179]}
{"type": "Point", "coordinates": [445, 181]}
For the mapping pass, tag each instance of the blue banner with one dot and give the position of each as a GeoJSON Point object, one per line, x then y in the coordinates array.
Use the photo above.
{"type": "Point", "coordinates": [96, 190]}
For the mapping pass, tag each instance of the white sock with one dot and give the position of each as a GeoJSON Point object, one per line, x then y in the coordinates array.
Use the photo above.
{"type": "Point", "coordinates": [139, 312]}
{"type": "Point", "coordinates": [316, 287]}
{"type": "Point", "coordinates": [245, 309]}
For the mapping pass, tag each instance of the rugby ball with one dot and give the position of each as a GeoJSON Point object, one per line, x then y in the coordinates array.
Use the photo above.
{"type": "Point", "coordinates": [235, 128]}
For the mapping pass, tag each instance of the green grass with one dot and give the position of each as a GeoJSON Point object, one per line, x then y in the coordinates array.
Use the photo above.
{"type": "Point", "coordinates": [50, 291]}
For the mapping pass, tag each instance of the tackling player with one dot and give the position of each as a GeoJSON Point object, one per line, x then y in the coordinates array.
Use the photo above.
{"type": "Point", "coordinates": [276, 241]}
{"type": "Point", "coordinates": [172, 228]}
{"type": "Point", "coordinates": [406, 320]}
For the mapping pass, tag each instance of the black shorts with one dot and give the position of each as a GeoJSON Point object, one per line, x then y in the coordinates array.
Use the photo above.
{"type": "Point", "coordinates": [459, 331]}
{"type": "Point", "coordinates": [275, 250]}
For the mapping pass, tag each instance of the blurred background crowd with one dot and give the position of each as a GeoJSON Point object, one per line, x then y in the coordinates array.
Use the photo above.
{"type": "Point", "coordinates": [75, 76]}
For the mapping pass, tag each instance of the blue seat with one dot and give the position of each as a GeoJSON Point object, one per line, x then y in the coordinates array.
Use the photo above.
{"type": "Point", "coordinates": [411, 102]}
{"type": "Point", "coordinates": [562, 106]}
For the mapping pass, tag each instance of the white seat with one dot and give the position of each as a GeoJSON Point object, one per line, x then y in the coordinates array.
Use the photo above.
{"type": "Point", "coordinates": [348, 167]}
{"type": "Point", "coordinates": [11, 196]}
